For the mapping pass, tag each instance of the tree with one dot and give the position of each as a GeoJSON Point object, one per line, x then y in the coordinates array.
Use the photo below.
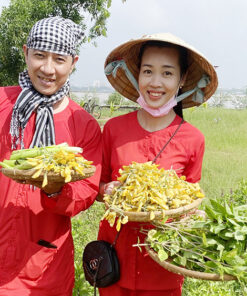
{"type": "Point", "coordinates": [115, 98]}
{"type": "Point", "coordinates": [18, 18]}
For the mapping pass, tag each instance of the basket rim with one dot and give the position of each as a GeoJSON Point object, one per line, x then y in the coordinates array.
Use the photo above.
{"type": "Point", "coordinates": [17, 174]}
{"type": "Point", "coordinates": [188, 272]}
{"type": "Point", "coordinates": [145, 216]}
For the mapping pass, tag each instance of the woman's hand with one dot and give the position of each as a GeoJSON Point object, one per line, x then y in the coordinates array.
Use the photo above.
{"type": "Point", "coordinates": [107, 188]}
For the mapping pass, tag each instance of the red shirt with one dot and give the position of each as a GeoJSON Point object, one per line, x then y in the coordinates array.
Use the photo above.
{"type": "Point", "coordinates": [124, 141]}
{"type": "Point", "coordinates": [26, 216]}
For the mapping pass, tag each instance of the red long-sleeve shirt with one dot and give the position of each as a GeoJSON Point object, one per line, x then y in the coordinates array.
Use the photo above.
{"type": "Point", "coordinates": [26, 216]}
{"type": "Point", "coordinates": [124, 141]}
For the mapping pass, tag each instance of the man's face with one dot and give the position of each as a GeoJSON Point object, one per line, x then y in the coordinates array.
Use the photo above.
{"type": "Point", "coordinates": [48, 71]}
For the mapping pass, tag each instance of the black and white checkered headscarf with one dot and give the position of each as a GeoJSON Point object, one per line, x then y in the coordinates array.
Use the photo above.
{"type": "Point", "coordinates": [54, 34]}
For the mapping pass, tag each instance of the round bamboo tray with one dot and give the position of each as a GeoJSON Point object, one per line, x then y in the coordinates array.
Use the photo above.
{"type": "Point", "coordinates": [20, 175]}
{"type": "Point", "coordinates": [159, 215]}
{"type": "Point", "coordinates": [187, 272]}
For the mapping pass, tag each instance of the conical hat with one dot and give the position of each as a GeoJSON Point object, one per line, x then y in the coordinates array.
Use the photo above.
{"type": "Point", "coordinates": [129, 52]}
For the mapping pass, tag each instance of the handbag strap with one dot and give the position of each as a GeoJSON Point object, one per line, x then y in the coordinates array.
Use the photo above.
{"type": "Point", "coordinates": [95, 277]}
{"type": "Point", "coordinates": [154, 160]}
{"type": "Point", "coordinates": [116, 237]}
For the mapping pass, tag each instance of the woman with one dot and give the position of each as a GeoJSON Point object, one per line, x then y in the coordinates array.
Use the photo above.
{"type": "Point", "coordinates": [171, 75]}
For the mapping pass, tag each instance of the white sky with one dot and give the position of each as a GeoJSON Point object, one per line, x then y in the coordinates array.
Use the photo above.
{"type": "Point", "coordinates": [217, 28]}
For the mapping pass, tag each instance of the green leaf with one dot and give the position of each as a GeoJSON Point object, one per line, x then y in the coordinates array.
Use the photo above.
{"type": "Point", "coordinates": [233, 222]}
{"type": "Point", "coordinates": [220, 248]}
{"type": "Point", "coordinates": [229, 210]}
{"type": "Point", "coordinates": [232, 258]}
{"type": "Point", "coordinates": [216, 228]}
{"type": "Point", "coordinates": [239, 235]}
{"type": "Point", "coordinates": [180, 261]}
{"type": "Point", "coordinates": [104, 32]}
{"type": "Point", "coordinates": [204, 240]}
{"type": "Point", "coordinates": [162, 255]}
{"type": "Point", "coordinates": [217, 207]}
{"type": "Point", "coordinates": [226, 234]}
{"type": "Point", "coordinates": [213, 215]}
{"type": "Point", "coordinates": [174, 249]}
{"type": "Point", "coordinates": [151, 234]}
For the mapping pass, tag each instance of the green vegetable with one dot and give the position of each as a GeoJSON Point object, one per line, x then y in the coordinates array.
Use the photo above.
{"type": "Point", "coordinates": [24, 165]}
{"type": "Point", "coordinates": [5, 165]}
{"type": "Point", "coordinates": [217, 244]}
{"type": "Point", "coordinates": [18, 158]}
{"type": "Point", "coordinates": [37, 151]}
{"type": "Point", "coordinates": [10, 163]}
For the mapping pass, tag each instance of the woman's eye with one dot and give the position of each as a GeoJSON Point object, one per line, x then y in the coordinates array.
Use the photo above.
{"type": "Point", "coordinates": [147, 71]}
{"type": "Point", "coordinates": [167, 73]}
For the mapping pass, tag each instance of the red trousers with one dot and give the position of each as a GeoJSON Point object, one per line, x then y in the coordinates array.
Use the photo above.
{"type": "Point", "coordinates": [115, 290]}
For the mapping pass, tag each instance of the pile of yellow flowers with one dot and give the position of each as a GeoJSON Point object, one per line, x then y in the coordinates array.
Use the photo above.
{"type": "Point", "coordinates": [146, 188]}
{"type": "Point", "coordinates": [62, 162]}
{"type": "Point", "coordinates": [60, 159]}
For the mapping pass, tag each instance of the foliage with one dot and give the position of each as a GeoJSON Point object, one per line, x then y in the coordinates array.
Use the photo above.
{"type": "Point", "coordinates": [214, 245]}
{"type": "Point", "coordinates": [115, 98]}
{"type": "Point", "coordinates": [17, 20]}
{"type": "Point", "coordinates": [80, 237]}
{"type": "Point", "coordinates": [196, 287]}
{"type": "Point", "coordinates": [239, 195]}
{"type": "Point", "coordinates": [90, 98]}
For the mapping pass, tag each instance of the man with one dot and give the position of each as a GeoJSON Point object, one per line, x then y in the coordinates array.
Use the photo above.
{"type": "Point", "coordinates": [36, 246]}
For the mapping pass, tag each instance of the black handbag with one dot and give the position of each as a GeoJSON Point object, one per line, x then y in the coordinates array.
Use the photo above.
{"type": "Point", "coordinates": [100, 264]}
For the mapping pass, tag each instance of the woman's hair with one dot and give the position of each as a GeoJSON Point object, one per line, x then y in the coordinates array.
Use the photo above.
{"type": "Point", "coordinates": [183, 62]}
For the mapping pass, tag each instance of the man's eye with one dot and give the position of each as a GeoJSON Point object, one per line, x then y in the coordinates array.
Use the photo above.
{"type": "Point", "coordinates": [61, 60]}
{"type": "Point", "coordinates": [39, 55]}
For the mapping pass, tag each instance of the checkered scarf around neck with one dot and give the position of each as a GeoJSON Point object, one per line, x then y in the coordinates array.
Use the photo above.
{"type": "Point", "coordinates": [57, 35]}
{"type": "Point", "coordinates": [29, 101]}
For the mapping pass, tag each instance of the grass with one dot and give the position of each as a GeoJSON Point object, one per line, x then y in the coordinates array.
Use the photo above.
{"type": "Point", "coordinates": [224, 166]}
{"type": "Point", "coordinates": [225, 156]}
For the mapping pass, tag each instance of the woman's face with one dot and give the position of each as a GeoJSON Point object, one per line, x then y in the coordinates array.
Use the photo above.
{"type": "Point", "coordinates": [159, 77]}
{"type": "Point", "coordinates": [48, 71]}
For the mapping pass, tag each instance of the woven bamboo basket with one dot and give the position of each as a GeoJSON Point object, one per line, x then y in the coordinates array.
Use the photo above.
{"type": "Point", "coordinates": [23, 175]}
{"type": "Point", "coordinates": [187, 272]}
{"type": "Point", "coordinates": [159, 215]}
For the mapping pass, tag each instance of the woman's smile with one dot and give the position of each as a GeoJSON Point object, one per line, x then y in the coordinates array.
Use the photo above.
{"type": "Point", "coordinates": [155, 95]}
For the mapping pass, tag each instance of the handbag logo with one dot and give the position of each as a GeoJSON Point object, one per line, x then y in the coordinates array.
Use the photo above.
{"type": "Point", "coordinates": [95, 262]}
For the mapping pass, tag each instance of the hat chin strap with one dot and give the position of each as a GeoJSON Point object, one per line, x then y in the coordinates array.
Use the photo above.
{"type": "Point", "coordinates": [198, 97]}
{"type": "Point", "coordinates": [112, 68]}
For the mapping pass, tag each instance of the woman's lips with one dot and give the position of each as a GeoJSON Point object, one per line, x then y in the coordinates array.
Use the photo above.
{"type": "Point", "coordinates": [154, 95]}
